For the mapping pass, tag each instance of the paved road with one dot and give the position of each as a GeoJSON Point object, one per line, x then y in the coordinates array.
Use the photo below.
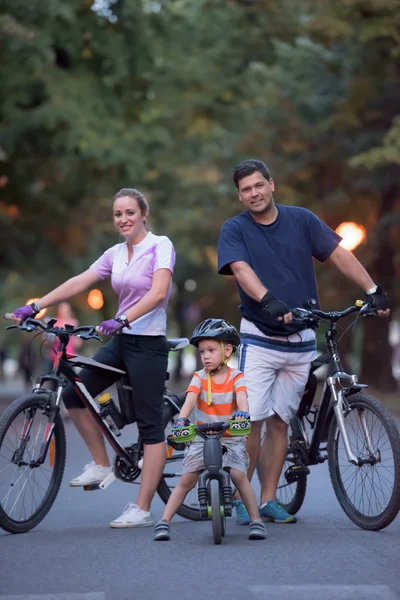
{"type": "Point", "coordinates": [74, 555]}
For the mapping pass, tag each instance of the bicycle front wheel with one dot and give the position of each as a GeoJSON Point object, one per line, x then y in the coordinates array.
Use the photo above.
{"type": "Point", "coordinates": [216, 517]}
{"type": "Point", "coordinates": [370, 493]}
{"type": "Point", "coordinates": [28, 489]}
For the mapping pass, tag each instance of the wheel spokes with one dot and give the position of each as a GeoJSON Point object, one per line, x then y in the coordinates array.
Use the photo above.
{"type": "Point", "coordinates": [23, 488]}
{"type": "Point", "coordinates": [368, 487]}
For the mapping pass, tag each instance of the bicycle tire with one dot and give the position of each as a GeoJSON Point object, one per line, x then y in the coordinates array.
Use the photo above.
{"type": "Point", "coordinates": [299, 494]}
{"type": "Point", "coordinates": [215, 503]}
{"type": "Point", "coordinates": [297, 500]}
{"type": "Point", "coordinates": [383, 519]}
{"type": "Point", "coordinates": [39, 401]}
{"type": "Point", "coordinates": [163, 489]}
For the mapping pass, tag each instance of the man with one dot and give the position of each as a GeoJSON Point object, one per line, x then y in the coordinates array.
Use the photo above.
{"type": "Point", "coordinates": [269, 248]}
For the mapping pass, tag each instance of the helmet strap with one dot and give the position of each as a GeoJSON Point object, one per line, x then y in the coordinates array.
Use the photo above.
{"type": "Point", "coordinates": [224, 361]}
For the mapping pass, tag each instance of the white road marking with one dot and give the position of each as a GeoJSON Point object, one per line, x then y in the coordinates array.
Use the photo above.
{"type": "Point", "coordinates": [323, 592]}
{"type": "Point", "coordinates": [66, 596]}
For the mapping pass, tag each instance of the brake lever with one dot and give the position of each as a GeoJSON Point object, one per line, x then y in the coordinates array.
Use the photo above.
{"type": "Point", "coordinates": [89, 336]}
{"type": "Point", "coordinates": [368, 311]}
{"type": "Point", "coordinates": [301, 314]}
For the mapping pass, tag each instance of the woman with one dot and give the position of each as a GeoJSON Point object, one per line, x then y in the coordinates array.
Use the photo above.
{"type": "Point", "coordinates": [141, 274]}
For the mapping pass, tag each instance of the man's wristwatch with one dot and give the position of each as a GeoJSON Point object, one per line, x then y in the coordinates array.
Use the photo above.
{"type": "Point", "coordinates": [371, 290]}
{"type": "Point", "coordinates": [124, 320]}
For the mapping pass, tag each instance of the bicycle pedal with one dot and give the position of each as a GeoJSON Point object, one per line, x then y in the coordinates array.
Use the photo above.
{"type": "Point", "coordinates": [294, 473]}
{"type": "Point", "coordinates": [91, 487]}
{"type": "Point", "coordinates": [204, 512]}
{"type": "Point", "coordinates": [228, 510]}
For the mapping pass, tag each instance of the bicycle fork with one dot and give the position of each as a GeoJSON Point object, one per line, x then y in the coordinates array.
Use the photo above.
{"type": "Point", "coordinates": [213, 461]}
{"type": "Point", "coordinates": [47, 437]}
{"type": "Point", "coordinates": [339, 407]}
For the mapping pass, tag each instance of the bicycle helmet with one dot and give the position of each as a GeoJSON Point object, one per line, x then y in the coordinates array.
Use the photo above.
{"type": "Point", "coordinates": [217, 329]}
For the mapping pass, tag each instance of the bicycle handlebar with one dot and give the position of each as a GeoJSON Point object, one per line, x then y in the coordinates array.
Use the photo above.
{"type": "Point", "coordinates": [86, 332]}
{"type": "Point", "coordinates": [313, 315]}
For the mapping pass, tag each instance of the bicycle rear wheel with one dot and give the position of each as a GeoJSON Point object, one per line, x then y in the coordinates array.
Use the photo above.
{"type": "Point", "coordinates": [28, 491]}
{"type": "Point", "coordinates": [289, 495]}
{"type": "Point", "coordinates": [369, 494]}
{"type": "Point", "coordinates": [173, 471]}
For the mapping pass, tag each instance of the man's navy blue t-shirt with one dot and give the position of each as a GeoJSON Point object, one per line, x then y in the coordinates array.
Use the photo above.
{"type": "Point", "coordinates": [281, 254]}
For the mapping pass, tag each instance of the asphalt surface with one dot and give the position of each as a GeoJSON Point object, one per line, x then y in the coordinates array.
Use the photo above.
{"type": "Point", "coordinates": [74, 555]}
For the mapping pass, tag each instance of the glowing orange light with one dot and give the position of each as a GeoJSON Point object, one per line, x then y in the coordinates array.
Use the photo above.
{"type": "Point", "coordinates": [12, 210]}
{"type": "Point", "coordinates": [352, 234]}
{"type": "Point", "coordinates": [42, 312]}
{"type": "Point", "coordinates": [95, 299]}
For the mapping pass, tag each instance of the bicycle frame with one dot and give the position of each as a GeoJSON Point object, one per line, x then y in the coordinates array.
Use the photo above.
{"type": "Point", "coordinates": [63, 364]}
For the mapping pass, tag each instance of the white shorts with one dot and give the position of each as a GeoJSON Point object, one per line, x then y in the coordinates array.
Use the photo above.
{"type": "Point", "coordinates": [275, 379]}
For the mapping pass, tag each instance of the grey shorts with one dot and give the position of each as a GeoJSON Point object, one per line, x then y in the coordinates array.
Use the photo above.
{"type": "Point", "coordinates": [235, 457]}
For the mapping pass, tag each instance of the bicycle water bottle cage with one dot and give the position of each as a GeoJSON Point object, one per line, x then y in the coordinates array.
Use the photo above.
{"type": "Point", "coordinates": [239, 426]}
{"type": "Point", "coordinates": [187, 433]}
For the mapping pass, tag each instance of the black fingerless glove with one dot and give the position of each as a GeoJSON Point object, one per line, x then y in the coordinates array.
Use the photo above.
{"type": "Point", "coordinates": [379, 299]}
{"type": "Point", "coordinates": [273, 306]}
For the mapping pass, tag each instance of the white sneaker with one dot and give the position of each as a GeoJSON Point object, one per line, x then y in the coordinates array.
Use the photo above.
{"type": "Point", "coordinates": [133, 516]}
{"type": "Point", "coordinates": [92, 473]}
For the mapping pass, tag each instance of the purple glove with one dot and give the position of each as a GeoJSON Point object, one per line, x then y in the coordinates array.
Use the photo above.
{"type": "Point", "coordinates": [110, 327]}
{"type": "Point", "coordinates": [24, 312]}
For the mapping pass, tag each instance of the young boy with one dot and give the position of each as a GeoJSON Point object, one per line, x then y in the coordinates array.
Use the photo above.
{"type": "Point", "coordinates": [218, 393]}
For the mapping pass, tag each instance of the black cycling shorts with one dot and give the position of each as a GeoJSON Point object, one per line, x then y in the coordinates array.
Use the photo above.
{"type": "Point", "coordinates": [145, 359]}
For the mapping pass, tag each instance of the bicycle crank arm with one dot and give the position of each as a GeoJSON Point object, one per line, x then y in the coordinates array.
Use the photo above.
{"type": "Point", "coordinates": [107, 481]}
{"type": "Point", "coordinates": [102, 485]}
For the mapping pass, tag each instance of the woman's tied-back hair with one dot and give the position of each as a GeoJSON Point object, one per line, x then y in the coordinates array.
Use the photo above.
{"type": "Point", "coordinates": [248, 167]}
{"type": "Point", "coordinates": [136, 195]}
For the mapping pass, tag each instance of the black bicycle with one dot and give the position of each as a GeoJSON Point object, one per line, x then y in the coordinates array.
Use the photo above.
{"type": "Point", "coordinates": [214, 488]}
{"type": "Point", "coordinates": [33, 442]}
{"type": "Point", "coordinates": [350, 429]}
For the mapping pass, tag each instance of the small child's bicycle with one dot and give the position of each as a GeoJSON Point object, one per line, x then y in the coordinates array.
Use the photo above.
{"type": "Point", "coordinates": [214, 486]}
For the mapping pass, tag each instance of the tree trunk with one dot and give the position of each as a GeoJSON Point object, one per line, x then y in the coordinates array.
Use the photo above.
{"type": "Point", "coordinates": [180, 322]}
{"type": "Point", "coordinates": [376, 369]}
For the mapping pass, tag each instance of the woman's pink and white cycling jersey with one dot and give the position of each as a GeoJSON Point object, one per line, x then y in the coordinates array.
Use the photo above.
{"type": "Point", "coordinates": [132, 280]}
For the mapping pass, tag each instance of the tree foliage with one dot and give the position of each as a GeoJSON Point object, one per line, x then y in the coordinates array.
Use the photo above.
{"type": "Point", "coordinates": [167, 97]}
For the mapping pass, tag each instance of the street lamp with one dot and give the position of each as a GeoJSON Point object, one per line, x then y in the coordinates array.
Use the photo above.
{"type": "Point", "coordinates": [95, 299]}
{"type": "Point", "coordinates": [352, 234]}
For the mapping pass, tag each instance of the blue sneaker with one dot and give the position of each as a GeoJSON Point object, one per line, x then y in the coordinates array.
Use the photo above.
{"type": "Point", "coordinates": [273, 511]}
{"type": "Point", "coordinates": [242, 516]}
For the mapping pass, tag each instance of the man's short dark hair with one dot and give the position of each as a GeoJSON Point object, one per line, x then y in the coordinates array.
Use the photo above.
{"type": "Point", "coordinates": [248, 167]}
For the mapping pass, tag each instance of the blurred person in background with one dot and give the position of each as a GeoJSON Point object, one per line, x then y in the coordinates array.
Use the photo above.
{"type": "Point", "coordinates": [27, 362]}
{"type": "Point", "coordinates": [3, 357]}
{"type": "Point", "coordinates": [65, 316]}
{"type": "Point", "coordinates": [269, 249]}
{"type": "Point", "coordinates": [141, 274]}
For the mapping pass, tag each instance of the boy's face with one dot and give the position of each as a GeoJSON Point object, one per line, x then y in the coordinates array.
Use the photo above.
{"type": "Point", "coordinates": [211, 354]}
